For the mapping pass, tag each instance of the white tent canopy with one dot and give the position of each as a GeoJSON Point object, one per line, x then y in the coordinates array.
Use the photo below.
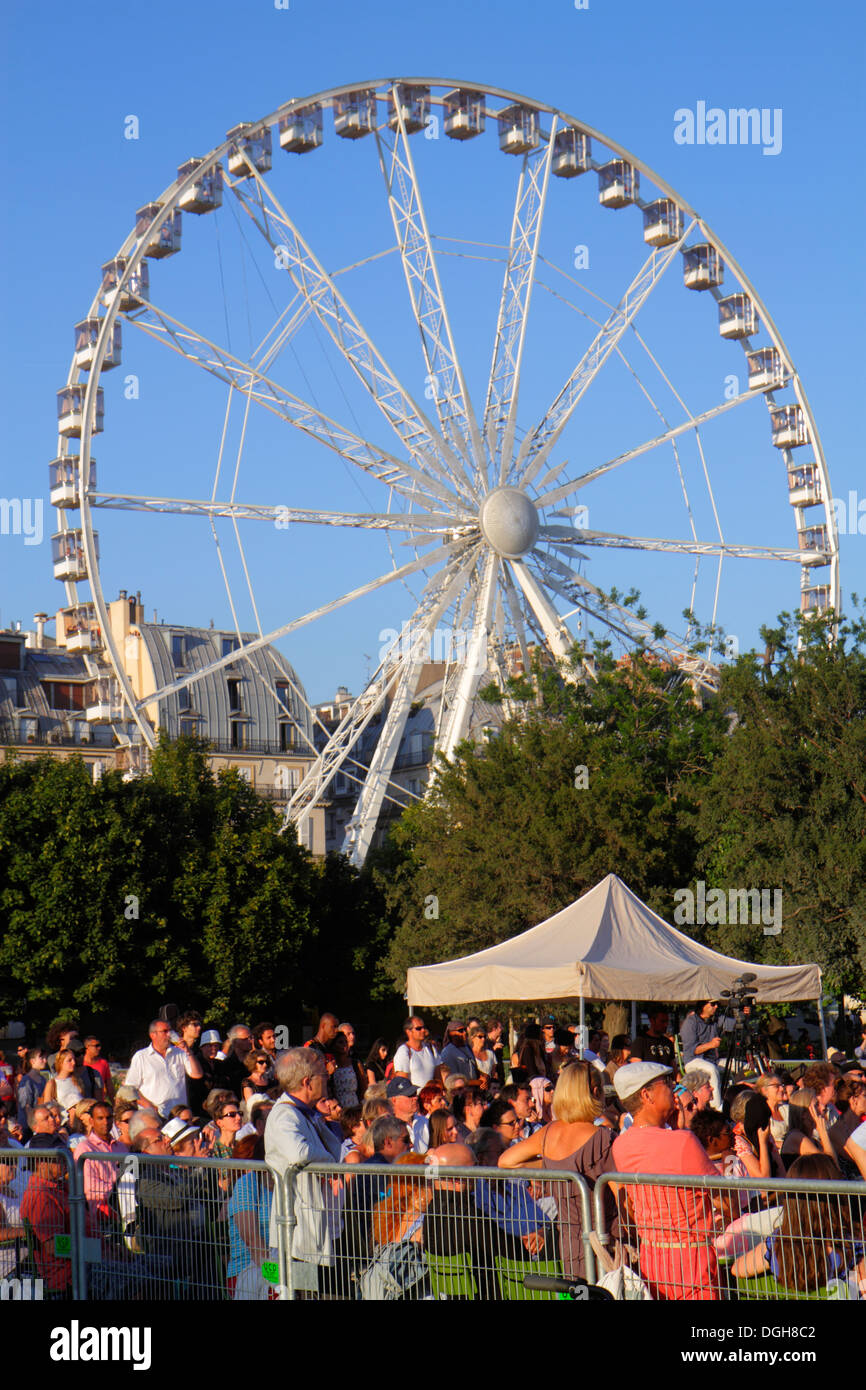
{"type": "Point", "coordinates": [606, 945]}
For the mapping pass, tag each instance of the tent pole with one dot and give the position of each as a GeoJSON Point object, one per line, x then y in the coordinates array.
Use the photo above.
{"type": "Point", "coordinates": [582, 1021]}
{"type": "Point", "coordinates": [821, 1025]}
{"type": "Point", "coordinates": [633, 1020]}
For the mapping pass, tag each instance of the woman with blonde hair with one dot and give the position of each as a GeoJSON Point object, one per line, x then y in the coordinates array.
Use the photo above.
{"type": "Point", "coordinates": [64, 1086]}
{"type": "Point", "coordinates": [578, 1141]}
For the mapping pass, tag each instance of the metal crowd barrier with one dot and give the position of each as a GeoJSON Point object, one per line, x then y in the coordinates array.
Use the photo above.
{"type": "Point", "coordinates": [140, 1226]}
{"type": "Point", "coordinates": [37, 1240]}
{"type": "Point", "coordinates": [157, 1226]}
{"type": "Point", "coordinates": [745, 1239]}
{"type": "Point", "coordinates": [383, 1232]}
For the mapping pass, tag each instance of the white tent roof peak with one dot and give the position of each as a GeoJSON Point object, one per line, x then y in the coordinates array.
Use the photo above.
{"type": "Point", "coordinates": [606, 945]}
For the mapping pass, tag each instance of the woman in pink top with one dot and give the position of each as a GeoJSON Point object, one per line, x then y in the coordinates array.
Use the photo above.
{"type": "Point", "coordinates": [676, 1226]}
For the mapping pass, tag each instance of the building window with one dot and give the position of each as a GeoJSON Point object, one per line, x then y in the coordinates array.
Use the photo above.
{"type": "Point", "coordinates": [234, 688]}
{"type": "Point", "coordinates": [184, 700]}
{"type": "Point", "coordinates": [239, 734]}
{"type": "Point", "coordinates": [189, 728]}
{"type": "Point", "coordinates": [288, 737]}
{"type": "Point", "coordinates": [284, 694]}
{"type": "Point", "coordinates": [65, 695]}
{"type": "Point", "coordinates": [227, 645]}
{"type": "Point", "coordinates": [178, 649]}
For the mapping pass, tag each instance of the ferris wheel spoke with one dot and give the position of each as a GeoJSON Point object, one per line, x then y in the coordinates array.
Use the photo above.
{"type": "Point", "coordinates": [445, 375]}
{"type": "Point", "coordinates": [695, 422]}
{"type": "Point", "coordinates": [253, 384]}
{"type": "Point", "coordinates": [500, 411]}
{"type": "Point", "coordinates": [475, 664]}
{"type": "Point", "coordinates": [563, 535]}
{"type": "Point", "coordinates": [439, 594]}
{"type": "Point", "coordinates": [443, 553]}
{"type": "Point", "coordinates": [557, 636]}
{"type": "Point", "coordinates": [515, 613]}
{"type": "Point", "coordinates": [427, 523]}
{"type": "Point", "coordinates": [537, 445]}
{"type": "Point", "coordinates": [415, 644]}
{"type": "Point", "coordinates": [402, 413]}
{"type": "Point", "coordinates": [573, 587]}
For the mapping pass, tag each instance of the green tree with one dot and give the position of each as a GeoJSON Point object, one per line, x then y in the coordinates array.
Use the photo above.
{"type": "Point", "coordinates": [785, 805]}
{"type": "Point", "coordinates": [595, 776]}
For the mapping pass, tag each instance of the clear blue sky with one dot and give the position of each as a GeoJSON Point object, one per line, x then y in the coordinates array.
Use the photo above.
{"type": "Point", "coordinates": [72, 183]}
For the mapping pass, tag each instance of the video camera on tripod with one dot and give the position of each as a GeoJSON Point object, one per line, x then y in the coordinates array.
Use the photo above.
{"type": "Point", "coordinates": [739, 999]}
{"type": "Point", "coordinates": [743, 1027]}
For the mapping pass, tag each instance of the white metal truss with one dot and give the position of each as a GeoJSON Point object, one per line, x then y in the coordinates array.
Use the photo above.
{"type": "Point", "coordinates": [251, 383]}
{"type": "Point", "coordinates": [537, 446]}
{"type": "Point", "coordinates": [565, 535]}
{"type": "Point", "coordinates": [414, 645]}
{"type": "Point", "coordinates": [476, 662]}
{"type": "Point", "coordinates": [445, 375]}
{"type": "Point", "coordinates": [500, 411]}
{"type": "Point", "coordinates": [403, 414]}
{"type": "Point", "coordinates": [429, 524]}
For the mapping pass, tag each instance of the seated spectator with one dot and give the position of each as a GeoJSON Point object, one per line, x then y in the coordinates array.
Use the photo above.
{"type": "Point", "coordinates": [66, 1085]}
{"type": "Point", "coordinates": [855, 1147]}
{"type": "Point", "coordinates": [79, 1123]}
{"type": "Point", "coordinates": [45, 1206]}
{"type": "Point", "coordinates": [500, 1117]}
{"type": "Point", "coordinates": [813, 1246]}
{"type": "Point", "coordinates": [228, 1121]}
{"type": "Point", "coordinates": [753, 1142]}
{"type": "Point", "coordinates": [13, 1181]}
{"type": "Point", "coordinates": [808, 1132]}
{"type": "Point", "coordinates": [400, 1213]}
{"type": "Point", "coordinates": [821, 1078]}
{"type": "Point", "coordinates": [442, 1129]}
{"type": "Point", "coordinates": [772, 1086]}
{"type": "Point", "coordinates": [453, 1224]}
{"type": "Point", "coordinates": [45, 1120]}
{"type": "Point", "coordinates": [572, 1143]}
{"type": "Point", "coordinates": [620, 1053]}
{"type": "Point", "coordinates": [520, 1096]}
{"type": "Point", "coordinates": [527, 1232]}
{"type": "Point", "coordinates": [352, 1125]}
{"type": "Point", "coordinates": [542, 1094]}
{"type": "Point", "coordinates": [182, 1137]}
{"type": "Point", "coordinates": [249, 1217]}
{"type": "Point", "coordinates": [454, 1083]}
{"type": "Point", "coordinates": [851, 1103]}
{"type": "Point", "coordinates": [655, 1045]}
{"type": "Point", "coordinates": [431, 1097]}
{"type": "Point", "coordinates": [467, 1108]}
{"type": "Point", "coordinates": [675, 1226]}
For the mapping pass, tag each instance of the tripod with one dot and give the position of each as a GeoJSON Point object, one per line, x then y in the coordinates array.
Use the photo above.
{"type": "Point", "coordinates": [742, 1051]}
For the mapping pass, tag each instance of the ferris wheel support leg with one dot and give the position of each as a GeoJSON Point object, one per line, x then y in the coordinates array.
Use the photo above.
{"type": "Point", "coordinates": [558, 636]}
{"type": "Point", "coordinates": [476, 661]}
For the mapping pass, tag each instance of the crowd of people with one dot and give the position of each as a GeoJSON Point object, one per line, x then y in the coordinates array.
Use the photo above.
{"type": "Point", "coordinates": [422, 1111]}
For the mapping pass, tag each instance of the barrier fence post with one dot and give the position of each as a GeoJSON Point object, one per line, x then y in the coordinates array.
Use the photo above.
{"type": "Point", "coordinates": [284, 1184]}
{"type": "Point", "coordinates": [77, 1225]}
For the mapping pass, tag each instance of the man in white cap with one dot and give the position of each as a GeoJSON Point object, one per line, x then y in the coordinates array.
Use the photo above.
{"type": "Point", "coordinates": [676, 1225]}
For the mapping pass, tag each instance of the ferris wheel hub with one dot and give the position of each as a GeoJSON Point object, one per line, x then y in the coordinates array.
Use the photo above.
{"type": "Point", "coordinates": [509, 522]}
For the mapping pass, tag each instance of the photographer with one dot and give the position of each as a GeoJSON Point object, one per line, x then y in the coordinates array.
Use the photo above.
{"type": "Point", "coordinates": [701, 1044]}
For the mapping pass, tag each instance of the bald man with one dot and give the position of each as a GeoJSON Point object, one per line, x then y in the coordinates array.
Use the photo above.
{"type": "Point", "coordinates": [454, 1225]}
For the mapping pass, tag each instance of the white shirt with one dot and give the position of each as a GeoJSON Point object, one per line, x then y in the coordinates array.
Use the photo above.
{"type": "Point", "coordinates": [859, 1135]}
{"type": "Point", "coordinates": [420, 1065]}
{"type": "Point", "coordinates": [162, 1080]}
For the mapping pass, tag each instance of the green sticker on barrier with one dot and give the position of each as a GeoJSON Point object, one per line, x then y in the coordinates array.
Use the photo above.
{"type": "Point", "coordinates": [271, 1271]}
{"type": "Point", "coordinates": [63, 1245]}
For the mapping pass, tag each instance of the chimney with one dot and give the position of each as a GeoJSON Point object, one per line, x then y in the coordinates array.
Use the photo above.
{"type": "Point", "coordinates": [40, 619]}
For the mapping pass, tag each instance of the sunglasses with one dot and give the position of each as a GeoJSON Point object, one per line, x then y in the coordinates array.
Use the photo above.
{"type": "Point", "coordinates": [231, 1114]}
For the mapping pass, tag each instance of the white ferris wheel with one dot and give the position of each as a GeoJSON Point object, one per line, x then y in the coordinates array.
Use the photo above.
{"type": "Point", "coordinates": [598, 428]}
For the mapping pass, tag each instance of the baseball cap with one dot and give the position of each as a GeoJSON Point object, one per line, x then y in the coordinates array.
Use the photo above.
{"type": "Point", "coordinates": [631, 1078]}
{"type": "Point", "coordinates": [211, 1036]}
{"type": "Point", "coordinates": [399, 1086]}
